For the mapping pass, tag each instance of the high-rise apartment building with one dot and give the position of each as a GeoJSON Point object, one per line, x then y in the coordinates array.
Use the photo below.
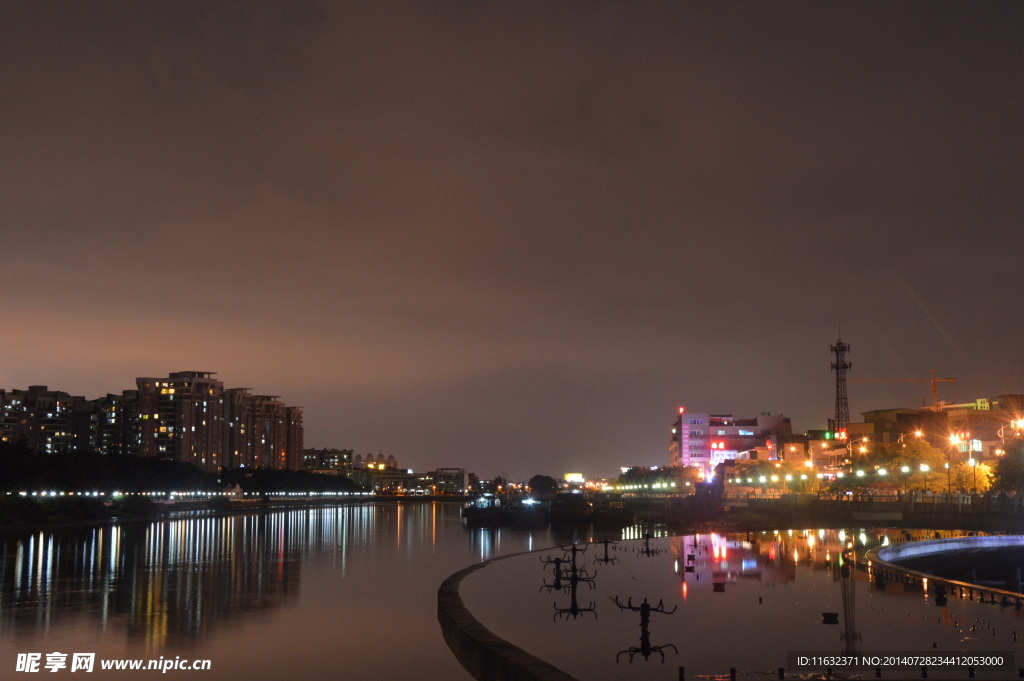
{"type": "Point", "coordinates": [117, 429]}
{"type": "Point", "coordinates": [188, 416]}
{"type": "Point", "coordinates": [239, 428]}
{"type": "Point", "coordinates": [261, 431]}
{"type": "Point", "coordinates": [42, 419]}
{"type": "Point", "coordinates": [296, 438]}
{"type": "Point", "coordinates": [182, 418]}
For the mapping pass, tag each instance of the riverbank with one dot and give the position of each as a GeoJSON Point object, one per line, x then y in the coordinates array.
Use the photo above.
{"type": "Point", "coordinates": [19, 514]}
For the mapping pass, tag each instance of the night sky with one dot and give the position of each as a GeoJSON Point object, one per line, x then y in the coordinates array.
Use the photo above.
{"type": "Point", "coordinates": [514, 236]}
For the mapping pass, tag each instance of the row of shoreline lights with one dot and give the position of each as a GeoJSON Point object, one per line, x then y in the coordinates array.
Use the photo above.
{"type": "Point", "coordinates": [189, 494]}
{"type": "Point", "coordinates": [881, 472]}
{"type": "Point", "coordinates": [657, 485]}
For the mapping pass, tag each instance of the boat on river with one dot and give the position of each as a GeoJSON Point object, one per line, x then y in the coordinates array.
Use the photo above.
{"type": "Point", "coordinates": [484, 511]}
{"type": "Point", "coordinates": [526, 513]}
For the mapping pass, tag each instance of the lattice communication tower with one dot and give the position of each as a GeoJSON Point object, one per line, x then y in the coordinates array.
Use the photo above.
{"type": "Point", "coordinates": [841, 366]}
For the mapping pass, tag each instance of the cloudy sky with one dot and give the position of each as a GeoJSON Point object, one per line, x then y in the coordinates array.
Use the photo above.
{"type": "Point", "coordinates": [514, 236]}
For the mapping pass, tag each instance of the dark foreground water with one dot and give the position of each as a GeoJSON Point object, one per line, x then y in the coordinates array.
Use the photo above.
{"type": "Point", "coordinates": [346, 592]}
{"type": "Point", "coordinates": [743, 601]}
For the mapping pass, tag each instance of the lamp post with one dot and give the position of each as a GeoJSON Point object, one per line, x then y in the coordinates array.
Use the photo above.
{"type": "Point", "coordinates": [974, 475]}
{"type": "Point", "coordinates": [917, 433]}
{"type": "Point", "coordinates": [905, 470]}
{"type": "Point", "coordinates": [1016, 425]}
{"type": "Point", "coordinates": [954, 441]}
{"type": "Point", "coordinates": [925, 469]}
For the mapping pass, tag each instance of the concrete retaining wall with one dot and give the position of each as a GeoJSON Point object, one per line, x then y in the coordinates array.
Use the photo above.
{"type": "Point", "coordinates": [484, 655]}
{"type": "Point", "coordinates": [936, 546]}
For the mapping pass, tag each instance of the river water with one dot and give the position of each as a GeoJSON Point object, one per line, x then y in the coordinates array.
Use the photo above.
{"type": "Point", "coordinates": [350, 592]}
{"type": "Point", "coordinates": [346, 592]}
{"type": "Point", "coordinates": [743, 601]}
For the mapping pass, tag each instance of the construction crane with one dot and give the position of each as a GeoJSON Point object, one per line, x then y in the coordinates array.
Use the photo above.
{"type": "Point", "coordinates": [933, 380]}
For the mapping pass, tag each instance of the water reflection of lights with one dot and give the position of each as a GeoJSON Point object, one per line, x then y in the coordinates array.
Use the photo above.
{"type": "Point", "coordinates": [727, 569]}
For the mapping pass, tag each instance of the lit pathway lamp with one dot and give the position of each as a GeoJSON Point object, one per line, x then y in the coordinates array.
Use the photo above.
{"type": "Point", "coordinates": [974, 474]}
{"type": "Point", "coordinates": [905, 470]}
{"type": "Point", "coordinates": [925, 469]}
{"type": "Point", "coordinates": [954, 441]}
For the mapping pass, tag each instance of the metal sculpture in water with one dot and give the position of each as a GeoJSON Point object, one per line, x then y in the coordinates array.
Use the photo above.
{"type": "Point", "coordinates": [606, 560]}
{"type": "Point", "coordinates": [557, 562]}
{"type": "Point", "coordinates": [645, 649]}
{"type": "Point", "coordinates": [647, 550]}
{"type": "Point", "coordinates": [568, 574]}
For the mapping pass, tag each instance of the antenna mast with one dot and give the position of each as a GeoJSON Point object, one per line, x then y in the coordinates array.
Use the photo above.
{"type": "Point", "coordinates": [841, 366]}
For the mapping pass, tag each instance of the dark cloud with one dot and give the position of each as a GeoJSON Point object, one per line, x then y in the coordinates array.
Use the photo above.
{"type": "Point", "coordinates": [512, 235]}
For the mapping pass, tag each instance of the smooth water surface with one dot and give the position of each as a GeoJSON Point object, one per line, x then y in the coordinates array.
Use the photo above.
{"type": "Point", "coordinates": [346, 592]}
{"type": "Point", "coordinates": [745, 602]}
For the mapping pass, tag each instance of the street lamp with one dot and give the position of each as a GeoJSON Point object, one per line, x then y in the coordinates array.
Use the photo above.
{"type": "Point", "coordinates": [954, 441]}
{"type": "Point", "coordinates": [925, 469]}
{"type": "Point", "coordinates": [917, 433]}
{"type": "Point", "coordinates": [974, 474]}
{"type": "Point", "coordinates": [1015, 424]}
{"type": "Point", "coordinates": [905, 470]}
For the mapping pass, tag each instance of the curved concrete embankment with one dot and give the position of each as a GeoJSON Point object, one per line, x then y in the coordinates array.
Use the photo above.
{"type": "Point", "coordinates": [886, 561]}
{"type": "Point", "coordinates": [484, 655]}
{"type": "Point", "coordinates": [897, 552]}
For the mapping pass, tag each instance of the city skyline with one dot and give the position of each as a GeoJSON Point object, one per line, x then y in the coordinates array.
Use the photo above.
{"type": "Point", "coordinates": [514, 237]}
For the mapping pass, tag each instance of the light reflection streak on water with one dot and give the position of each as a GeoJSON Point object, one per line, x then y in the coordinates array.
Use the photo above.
{"type": "Point", "coordinates": [398, 527]}
{"type": "Point", "coordinates": [40, 547]}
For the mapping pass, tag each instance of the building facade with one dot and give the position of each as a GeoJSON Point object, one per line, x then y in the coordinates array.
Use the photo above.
{"type": "Point", "coordinates": [182, 418]}
{"type": "Point", "coordinates": [187, 416]}
{"type": "Point", "coordinates": [704, 440]}
{"type": "Point", "coordinates": [46, 421]}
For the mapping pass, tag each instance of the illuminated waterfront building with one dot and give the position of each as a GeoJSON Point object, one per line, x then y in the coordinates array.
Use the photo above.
{"type": "Point", "coordinates": [182, 418]}
{"type": "Point", "coordinates": [331, 461]}
{"type": "Point", "coordinates": [978, 429]}
{"type": "Point", "coordinates": [42, 419]}
{"type": "Point", "coordinates": [117, 429]}
{"type": "Point", "coordinates": [260, 431]}
{"type": "Point", "coordinates": [188, 417]}
{"type": "Point", "coordinates": [705, 440]}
